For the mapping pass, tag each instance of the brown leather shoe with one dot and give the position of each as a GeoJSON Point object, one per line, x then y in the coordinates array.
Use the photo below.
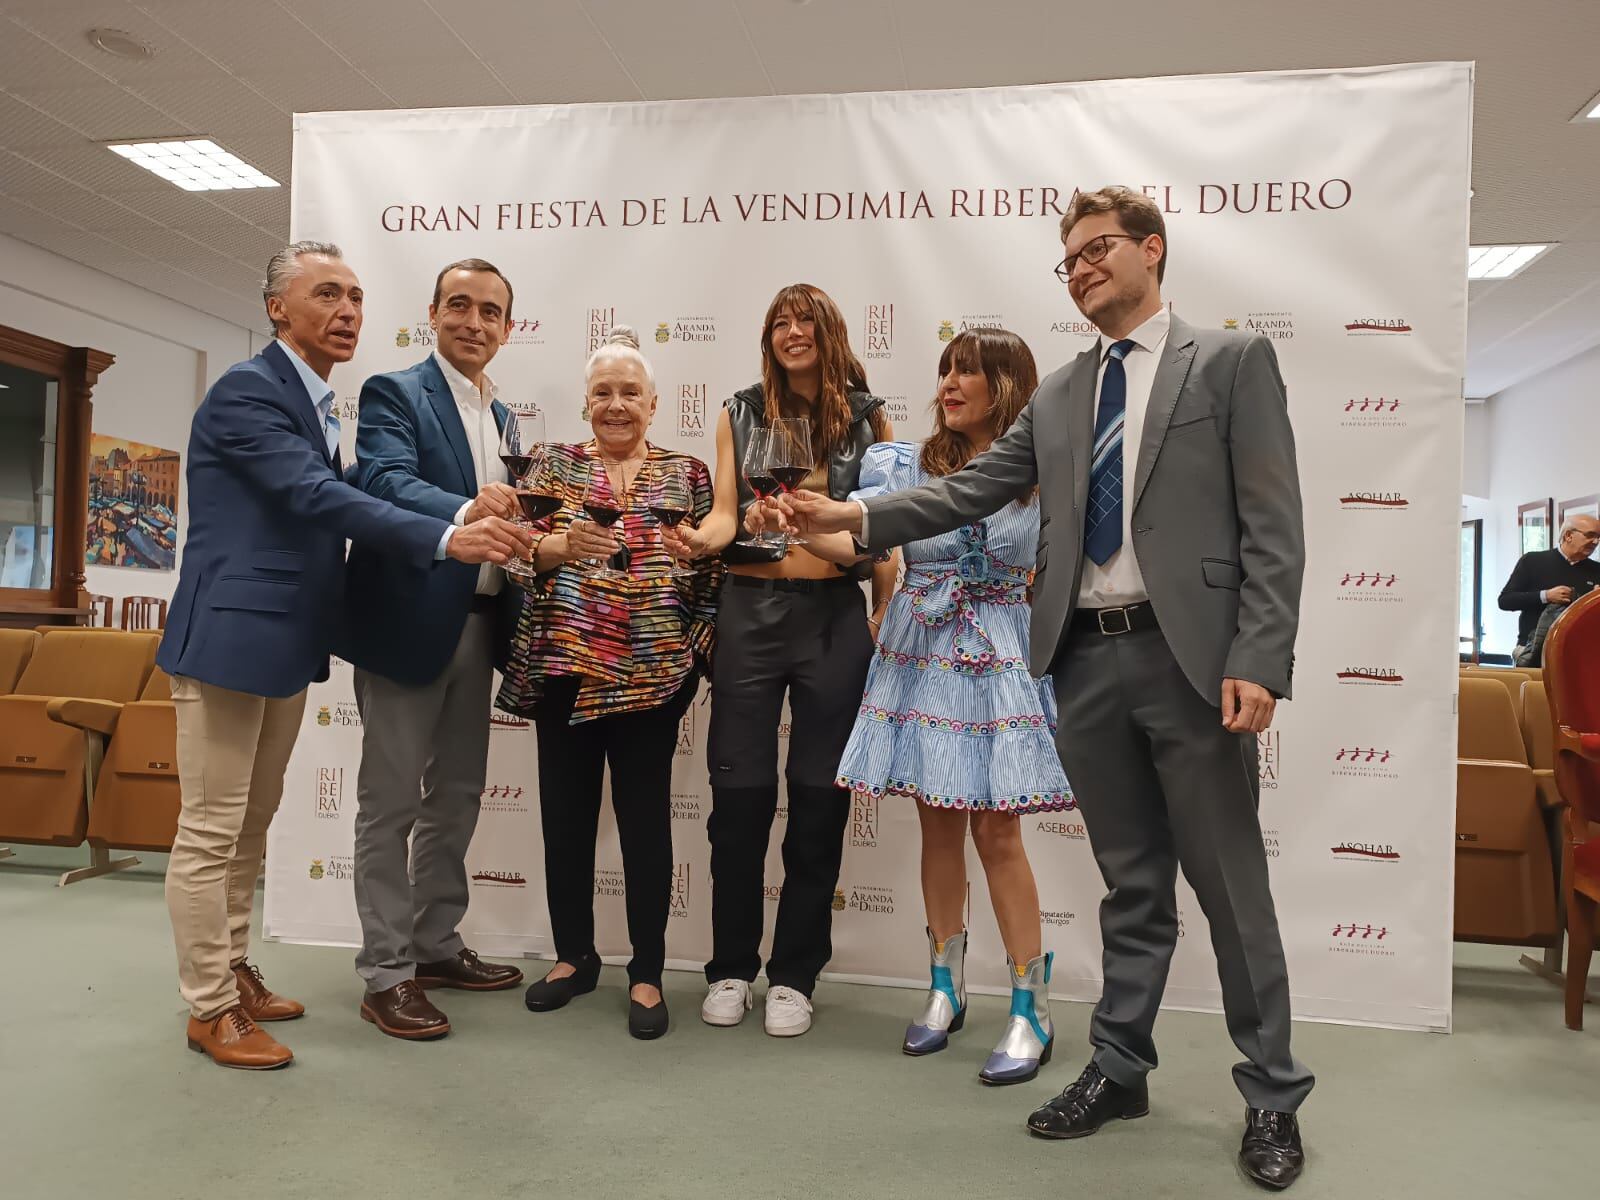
{"type": "Point", "coordinates": [469, 973]}
{"type": "Point", "coordinates": [232, 1039]}
{"type": "Point", "coordinates": [404, 1011]}
{"type": "Point", "coordinates": [260, 1001]}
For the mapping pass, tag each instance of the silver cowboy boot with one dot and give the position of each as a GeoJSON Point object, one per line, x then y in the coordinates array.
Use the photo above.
{"type": "Point", "coordinates": [946, 1010]}
{"type": "Point", "coordinates": [1029, 1037]}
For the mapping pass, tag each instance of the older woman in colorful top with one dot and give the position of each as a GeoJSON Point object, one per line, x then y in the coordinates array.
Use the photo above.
{"type": "Point", "coordinates": [950, 716]}
{"type": "Point", "coordinates": [606, 662]}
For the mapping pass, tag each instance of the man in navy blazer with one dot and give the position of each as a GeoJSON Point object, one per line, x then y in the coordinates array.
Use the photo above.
{"type": "Point", "coordinates": [424, 645]}
{"type": "Point", "coordinates": [253, 619]}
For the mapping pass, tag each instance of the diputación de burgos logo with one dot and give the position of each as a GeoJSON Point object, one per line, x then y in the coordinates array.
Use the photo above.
{"type": "Point", "coordinates": [877, 331]}
{"type": "Point", "coordinates": [1373, 412]}
{"type": "Point", "coordinates": [1369, 587]}
{"type": "Point", "coordinates": [1371, 939]}
{"type": "Point", "coordinates": [1377, 327]}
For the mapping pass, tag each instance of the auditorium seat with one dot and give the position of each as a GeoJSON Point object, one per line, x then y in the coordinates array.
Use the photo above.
{"type": "Point", "coordinates": [1572, 676]}
{"type": "Point", "coordinates": [1510, 678]}
{"type": "Point", "coordinates": [44, 765]}
{"type": "Point", "coordinates": [1505, 884]}
{"type": "Point", "coordinates": [136, 797]}
{"type": "Point", "coordinates": [1538, 738]}
{"type": "Point", "coordinates": [16, 648]}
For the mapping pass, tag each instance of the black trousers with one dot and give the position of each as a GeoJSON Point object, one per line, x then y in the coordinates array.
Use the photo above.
{"type": "Point", "coordinates": [572, 760]}
{"type": "Point", "coordinates": [813, 643]}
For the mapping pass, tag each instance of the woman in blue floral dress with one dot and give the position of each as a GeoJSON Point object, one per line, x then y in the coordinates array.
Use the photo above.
{"type": "Point", "coordinates": [951, 716]}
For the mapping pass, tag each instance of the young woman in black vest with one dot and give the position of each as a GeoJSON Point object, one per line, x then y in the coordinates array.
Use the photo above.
{"type": "Point", "coordinates": [788, 622]}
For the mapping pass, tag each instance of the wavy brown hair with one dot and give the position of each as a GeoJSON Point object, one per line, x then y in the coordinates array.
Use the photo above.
{"type": "Point", "coordinates": [842, 372]}
{"type": "Point", "coordinates": [1007, 364]}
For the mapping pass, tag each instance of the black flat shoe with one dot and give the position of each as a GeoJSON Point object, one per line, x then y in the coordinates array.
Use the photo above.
{"type": "Point", "coordinates": [550, 994]}
{"type": "Point", "coordinates": [1088, 1103]}
{"type": "Point", "coordinates": [647, 1023]}
{"type": "Point", "coordinates": [1271, 1153]}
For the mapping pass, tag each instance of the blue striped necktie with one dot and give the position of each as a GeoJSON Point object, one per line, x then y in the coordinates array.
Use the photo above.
{"type": "Point", "coordinates": [1103, 529]}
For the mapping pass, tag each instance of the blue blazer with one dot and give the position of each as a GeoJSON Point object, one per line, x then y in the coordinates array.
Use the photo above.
{"type": "Point", "coordinates": [411, 450]}
{"type": "Point", "coordinates": [261, 587]}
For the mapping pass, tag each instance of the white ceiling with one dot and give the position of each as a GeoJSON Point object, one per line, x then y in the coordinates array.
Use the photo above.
{"type": "Point", "coordinates": [235, 71]}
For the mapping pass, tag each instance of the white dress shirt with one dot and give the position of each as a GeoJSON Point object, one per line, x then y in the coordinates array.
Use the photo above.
{"type": "Point", "coordinates": [1119, 582]}
{"type": "Point", "coordinates": [475, 408]}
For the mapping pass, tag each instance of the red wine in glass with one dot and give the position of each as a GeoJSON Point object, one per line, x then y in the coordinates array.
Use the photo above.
{"type": "Point", "coordinates": [538, 505]}
{"type": "Point", "coordinates": [763, 484]}
{"type": "Point", "coordinates": [790, 478]}
{"type": "Point", "coordinates": [602, 514]}
{"type": "Point", "coordinates": [517, 465]}
{"type": "Point", "coordinates": [670, 517]}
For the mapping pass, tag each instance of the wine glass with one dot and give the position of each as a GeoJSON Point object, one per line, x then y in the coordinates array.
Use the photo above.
{"type": "Point", "coordinates": [671, 501]}
{"type": "Point", "coordinates": [605, 510]}
{"type": "Point", "coordinates": [754, 469]}
{"type": "Point", "coordinates": [522, 444]}
{"type": "Point", "coordinates": [789, 458]}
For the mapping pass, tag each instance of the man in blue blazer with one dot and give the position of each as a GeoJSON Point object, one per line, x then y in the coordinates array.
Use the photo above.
{"type": "Point", "coordinates": [424, 645]}
{"type": "Point", "coordinates": [253, 619]}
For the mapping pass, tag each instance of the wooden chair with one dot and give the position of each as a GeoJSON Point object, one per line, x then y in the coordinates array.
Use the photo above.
{"type": "Point", "coordinates": [1572, 683]}
{"type": "Point", "coordinates": [100, 612]}
{"type": "Point", "coordinates": [144, 612]}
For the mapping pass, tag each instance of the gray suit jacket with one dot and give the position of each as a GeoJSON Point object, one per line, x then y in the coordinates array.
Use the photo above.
{"type": "Point", "coordinates": [1216, 517]}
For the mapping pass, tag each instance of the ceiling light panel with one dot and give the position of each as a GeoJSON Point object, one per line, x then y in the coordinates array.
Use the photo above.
{"type": "Point", "coordinates": [195, 165]}
{"type": "Point", "coordinates": [1501, 262]}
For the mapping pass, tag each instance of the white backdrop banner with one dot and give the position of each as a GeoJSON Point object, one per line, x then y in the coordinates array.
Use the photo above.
{"type": "Point", "coordinates": [1327, 210]}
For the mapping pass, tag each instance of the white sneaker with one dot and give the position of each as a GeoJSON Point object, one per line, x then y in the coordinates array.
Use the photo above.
{"type": "Point", "coordinates": [788, 1012]}
{"type": "Point", "coordinates": [726, 1003]}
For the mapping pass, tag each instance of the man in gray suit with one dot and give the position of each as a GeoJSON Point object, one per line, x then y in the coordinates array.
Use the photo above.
{"type": "Point", "coordinates": [1165, 606]}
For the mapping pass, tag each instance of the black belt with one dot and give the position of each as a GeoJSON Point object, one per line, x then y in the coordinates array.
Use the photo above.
{"type": "Point", "coordinates": [804, 586]}
{"type": "Point", "coordinates": [485, 604]}
{"type": "Point", "coordinates": [1134, 618]}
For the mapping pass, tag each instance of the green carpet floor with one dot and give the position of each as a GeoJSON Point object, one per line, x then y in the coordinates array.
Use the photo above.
{"type": "Point", "coordinates": [100, 1098]}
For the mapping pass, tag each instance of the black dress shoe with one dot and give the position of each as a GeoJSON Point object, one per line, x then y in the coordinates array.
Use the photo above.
{"type": "Point", "coordinates": [550, 994]}
{"type": "Point", "coordinates": [469, 973]}
{"type": "Point", "coordinates": [1088, 1103]}
{"type": "Point", "coordinates": [1271, 1153]}
{"type": "Point", "coordinates": [647, 1023]}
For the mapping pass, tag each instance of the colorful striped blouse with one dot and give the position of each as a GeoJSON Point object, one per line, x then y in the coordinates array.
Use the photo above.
{"type": "Point", "coordinates": [633, 640]}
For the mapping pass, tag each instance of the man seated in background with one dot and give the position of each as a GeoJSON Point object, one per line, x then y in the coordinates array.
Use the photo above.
{"type": "Point", "coordinates": [1556, 576]}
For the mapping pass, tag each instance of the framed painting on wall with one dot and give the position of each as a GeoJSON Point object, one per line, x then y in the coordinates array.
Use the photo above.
{"type": "Point", "coordinates": [133, 504]}
{"type": "Point", "coordinates": [1533, 525]}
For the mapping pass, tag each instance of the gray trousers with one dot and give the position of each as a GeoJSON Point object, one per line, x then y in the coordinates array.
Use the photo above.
{"type": "Point", "coordinates": [1162, 785]}
{"type": "Point", "coordinates": [424, 751]}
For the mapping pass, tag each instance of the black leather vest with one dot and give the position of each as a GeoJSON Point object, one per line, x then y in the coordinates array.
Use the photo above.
{"type": "Point", "coordinates": [747, 410]}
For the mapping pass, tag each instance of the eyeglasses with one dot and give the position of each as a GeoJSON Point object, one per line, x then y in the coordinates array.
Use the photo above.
{"type": "Point", "coordinates": [1093, 252]}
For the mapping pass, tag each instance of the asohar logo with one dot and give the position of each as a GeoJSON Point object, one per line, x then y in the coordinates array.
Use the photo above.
{"type": "Point", "coordinates": [499, 879]}
{"type": "Point", "coordinates": [1370, 675]}
{"type": "Point", "coordinates": [1383, 500]}
{"type": "Point", "coordinates": [502, 721]}
{"type": "Point", "coordinates": [1376, 326]}
{"type": "Point", "coordinates": [1365, 852]}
